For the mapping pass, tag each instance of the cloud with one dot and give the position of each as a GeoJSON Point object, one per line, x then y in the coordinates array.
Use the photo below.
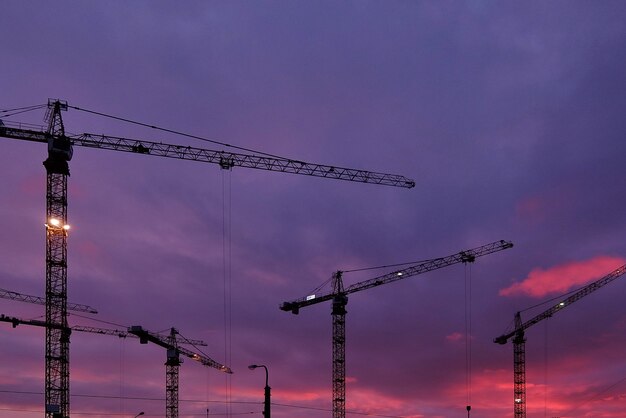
{"type": "Point", "coordinates": [561, 278]}
{"type": "Point", "coordinates": [372, 402]}
{"type": "Point", "coordinates": [507, 117]}
{"type": "Point", "coordinates": [455, 336]}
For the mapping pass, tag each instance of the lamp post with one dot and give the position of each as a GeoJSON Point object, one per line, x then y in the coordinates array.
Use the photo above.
{"type": "Point", "coordinates": [266, 407]}
{"type": "Point", "coordinates": [139, 414]}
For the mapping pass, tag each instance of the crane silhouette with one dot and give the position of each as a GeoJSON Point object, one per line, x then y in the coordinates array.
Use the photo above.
{"type": "Point", "coordinates": [170, 342]}
{"type": "Point", "coordinates": [60, 152]}
{"type": "Point", "coordinates": [518, 337]}
{"type": "Point", "coordinates": [339, 297]}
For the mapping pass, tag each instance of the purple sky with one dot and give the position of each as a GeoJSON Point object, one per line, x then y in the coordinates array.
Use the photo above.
{"type": "Point", "coordinates": [508, 116]}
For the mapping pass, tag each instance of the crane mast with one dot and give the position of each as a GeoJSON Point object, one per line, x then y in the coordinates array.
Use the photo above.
{"type": "Point", "coordinates": [518, 337]}
{"type": "Point", "coordinates": [171, 376]}
{"type": "Point", "coordinates": [172, 363]}
{"type": "Point", "coordinates": [340, 300]}
{"type": "Point", "coordinates": [339, 297]}
{"type": "Point", "coordinates": [60, 150]}
{"type": "Point", "coordinates": [57, 375]}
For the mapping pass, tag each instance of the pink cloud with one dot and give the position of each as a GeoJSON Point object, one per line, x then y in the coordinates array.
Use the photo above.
{"type": "Point", "coordinates": [559, 279]}
{"type": "Point", "coordinates": [490, 391]}
{"type": "Point", "coordinates": [372, 402]}
{"type": "Point", "coordinates": [455, 336]}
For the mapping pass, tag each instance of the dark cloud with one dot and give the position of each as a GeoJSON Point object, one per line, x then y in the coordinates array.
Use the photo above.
{"type": "Point", "coordinates": [507, 116]}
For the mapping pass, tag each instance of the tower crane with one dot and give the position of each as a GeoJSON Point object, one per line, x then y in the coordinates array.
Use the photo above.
{"type": "Point", "coordinates": [172, 363]}
{"type": "Point", "coordinates": [21, 297]}
{"type": "Point", "coordinates": [518, 337]}
{"type": "Point", "coordinates": [339, 297]}
{"type": "Point", "coordinates": [60, 152]}
{"type": "Point", "coordinates": [170, 343]}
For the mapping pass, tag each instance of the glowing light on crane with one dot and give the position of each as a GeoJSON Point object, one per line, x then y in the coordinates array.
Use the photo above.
{"type": "Point", "coordinates": [54, 223]}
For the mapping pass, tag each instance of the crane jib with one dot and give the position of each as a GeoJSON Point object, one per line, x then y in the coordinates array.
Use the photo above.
{"type": "Point", "coordinates": [582, 292]}
{"type": "Point", "coordinates": [224, 159]}
{"type": "Point", "coordinates": [466, 256]}
{"type": "Point", "coordinates": [147, 336]}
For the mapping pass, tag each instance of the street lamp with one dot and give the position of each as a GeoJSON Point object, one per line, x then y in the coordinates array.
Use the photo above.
{"type": "Point", "coordinates": [139, 414]}
{"type": "Point", "coordinates": [266, 407]}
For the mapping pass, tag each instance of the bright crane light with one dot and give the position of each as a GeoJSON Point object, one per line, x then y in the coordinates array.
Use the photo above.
{"type": "Point", "coordinates": [54, 223]}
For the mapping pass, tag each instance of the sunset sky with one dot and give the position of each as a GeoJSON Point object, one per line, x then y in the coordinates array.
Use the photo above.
{"type": "Point", "coordinates": [509, 117]}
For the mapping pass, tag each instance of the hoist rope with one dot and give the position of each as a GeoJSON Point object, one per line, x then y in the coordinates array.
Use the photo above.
{"type": "Point", "coordinates": [19, 110]}
{"type": "Point", "coordinates": [383, 267]}
{"type": "Point", "coordinates": [171, 131]}
{"type": "Point", "coordinates": [559, 297]}
{"type": "Point", "coordinates": [125, 327]}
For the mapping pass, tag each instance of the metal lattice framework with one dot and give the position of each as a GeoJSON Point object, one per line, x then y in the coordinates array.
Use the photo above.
{"type": "Point", "coordinates": [340, 299]}
{"type": "Point", "coordinates": [170, 343]}
{"type": "Point", "coordinates": [222, 158]}
{"type": "Point", "coordinates": [57, 168]}
{"type": "Point", "coordinates": [519, 339]}
{"type": "Point", "coordinates": [339, 355]}
{"type": "Point", "coordinates": [173, 362]}
{"type": "Point", "coordinates": [171, 376]}
{"type": "Point", "coordinates": [519, 371]}
{"type": "Point", "coordinates": [57, 374]}
{"type": "Point", "coordinates": [21, 297]}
